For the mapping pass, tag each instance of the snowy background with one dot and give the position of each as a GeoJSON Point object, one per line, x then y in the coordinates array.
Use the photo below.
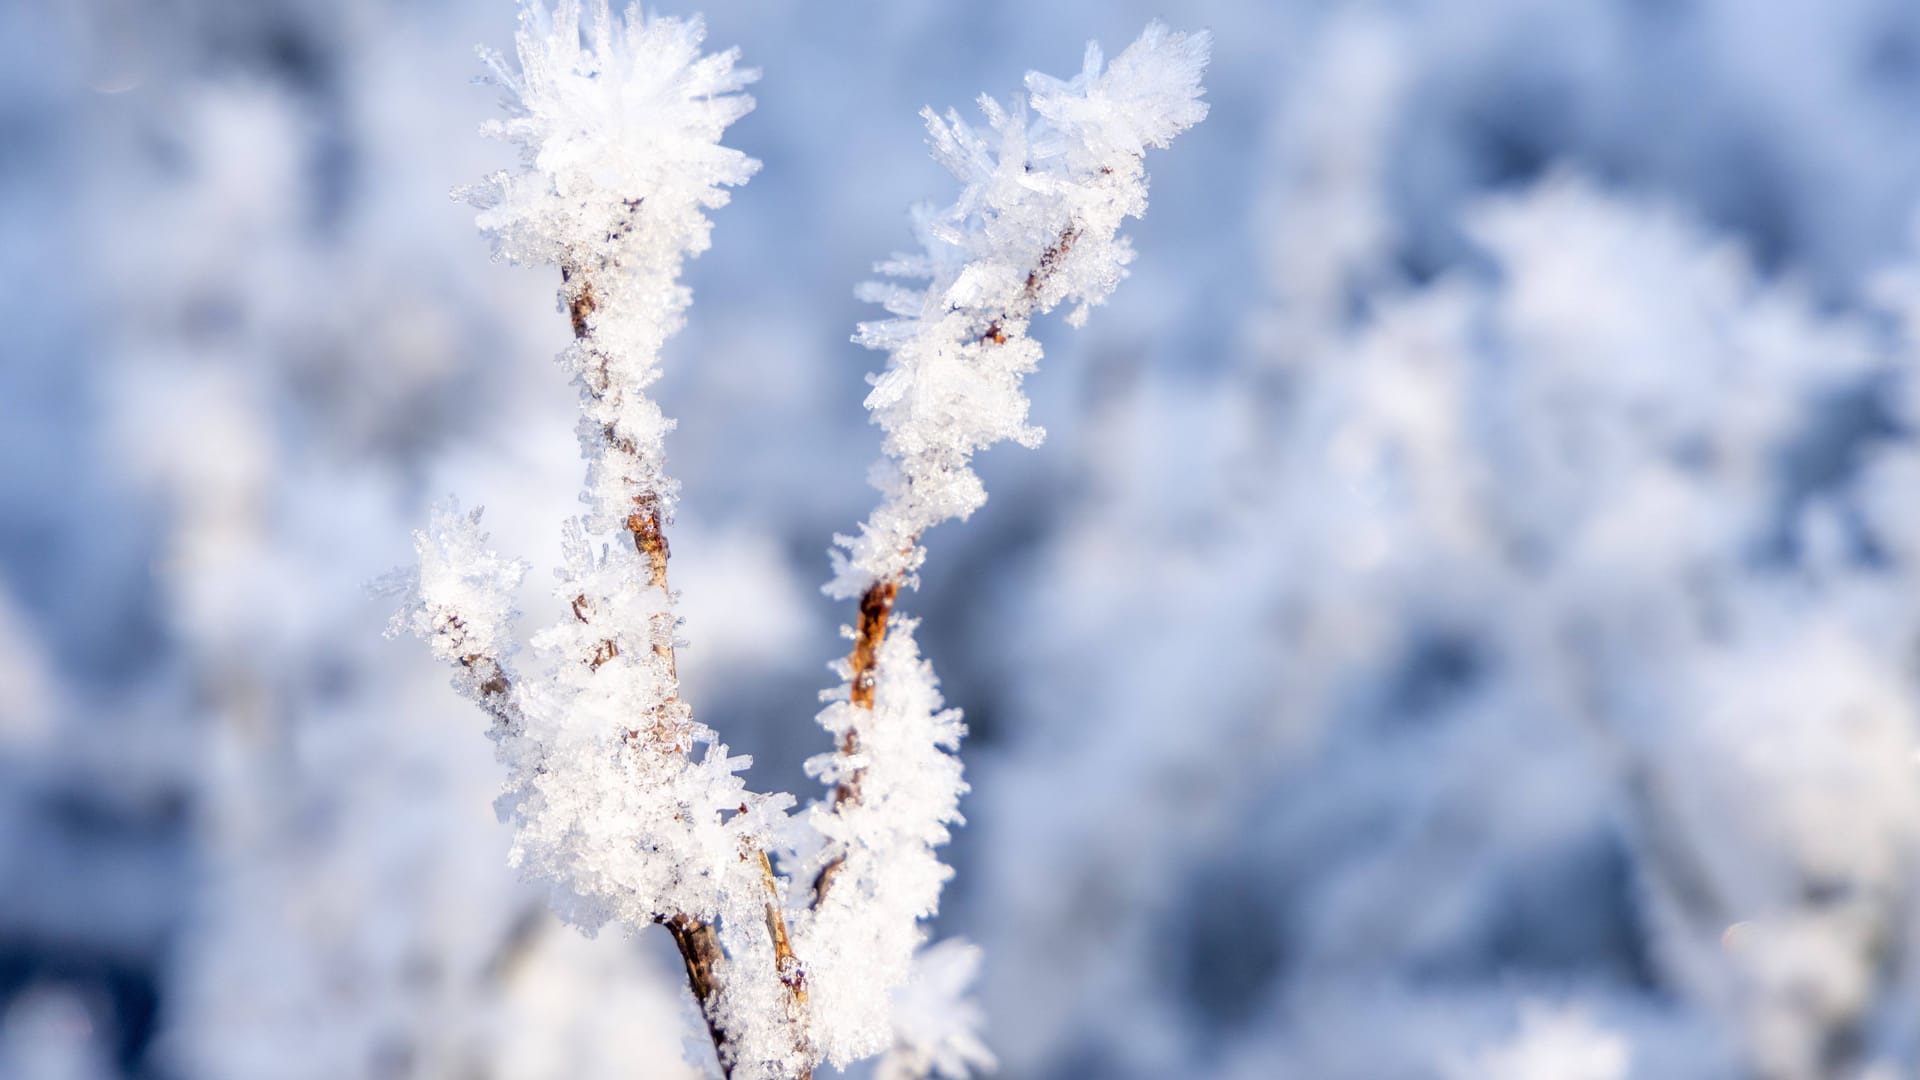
{"type": "Point", "coordinates": [1464, 621]}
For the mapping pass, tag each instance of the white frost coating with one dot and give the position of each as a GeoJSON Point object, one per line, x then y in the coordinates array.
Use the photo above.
{"type": "Point", "coordinates": [606, 114]}
{"type": "Point", "coordinates": [463, 597]}
{"type": "Point", "coordinates": [618, 121]}
{"type": "Point", "coordinates": [619, 817]}
{"type": "Point", "coordinates": [936, 1026]}
{"type": "Point", "coordinates": [611, 804]}
{"type": "Point", "coordinates": [859, 943]}
{"type": "Point", "coordinates": [1036, 225]}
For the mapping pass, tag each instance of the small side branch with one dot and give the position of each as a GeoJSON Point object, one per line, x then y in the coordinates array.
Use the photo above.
{"type": "Point", "coordinates": [876, 603]}
{"type": "Point", "coordinates": [492, 690]}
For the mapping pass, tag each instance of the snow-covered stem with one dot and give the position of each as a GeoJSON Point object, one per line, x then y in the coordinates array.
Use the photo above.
{"type": "Point", "coordinates": [695, 937]}
{"type": "Point", "coordinates": [618, 121]}
{"type": "Point", "coordinates": [1036, 224]}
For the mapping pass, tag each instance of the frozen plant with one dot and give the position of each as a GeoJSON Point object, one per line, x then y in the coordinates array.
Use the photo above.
{"type": "Point", "coordinates": [632, 809]}
{"type": "Point", "coordinates": [1036, 225]}
{"type": "Point", "coordinates": [618, 121]}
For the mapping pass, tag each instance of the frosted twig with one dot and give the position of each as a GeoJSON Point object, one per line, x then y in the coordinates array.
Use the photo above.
{"type": "Point", "coordinates": [1036, 224]}
{"type": "Point", "coordinates": [618, 121]}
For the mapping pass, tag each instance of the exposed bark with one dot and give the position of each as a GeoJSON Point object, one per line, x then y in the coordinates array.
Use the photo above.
{"type": "Point", "coordinates": [700, 949]}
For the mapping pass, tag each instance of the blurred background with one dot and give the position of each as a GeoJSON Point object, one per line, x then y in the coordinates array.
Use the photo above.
{"type": "Point", "coordinates": [1464, 622]}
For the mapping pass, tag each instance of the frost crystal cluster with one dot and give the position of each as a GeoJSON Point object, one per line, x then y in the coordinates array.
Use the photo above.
{"type": "Point", "coordinates": [630, 807]}
{"type": "Point", "coordinates": [1036, 225]}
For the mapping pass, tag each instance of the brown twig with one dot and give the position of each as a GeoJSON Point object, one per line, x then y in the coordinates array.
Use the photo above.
{"type": "Point", "coordinates": [699, 947]}
{"type": "Point", "coordinates": [492, 688]}
{"type": "Point", "coordinates": [792, 975]}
